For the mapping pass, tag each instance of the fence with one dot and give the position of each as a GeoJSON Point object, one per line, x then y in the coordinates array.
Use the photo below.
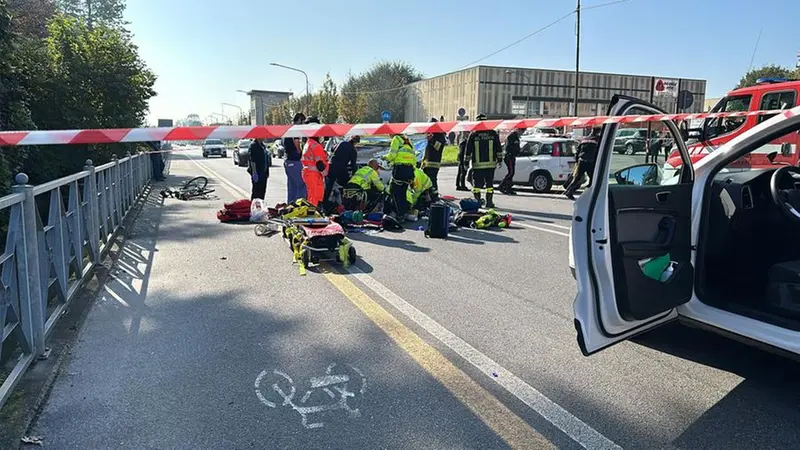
{"type": "Point", "coordinates": [58, 233]}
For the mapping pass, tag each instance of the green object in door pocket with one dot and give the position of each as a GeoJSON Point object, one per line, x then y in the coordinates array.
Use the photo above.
{"type": "Point", "coordinates": [654, 267]}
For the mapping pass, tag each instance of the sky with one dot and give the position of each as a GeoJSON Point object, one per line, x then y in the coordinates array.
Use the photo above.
{"type": "Point", "coordinates": [203, 51]}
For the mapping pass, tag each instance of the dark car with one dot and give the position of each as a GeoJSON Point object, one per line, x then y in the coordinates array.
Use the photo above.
{"type": "Point", "coordinates": [241, 153]}
{"type": "Point", "coordinates": [632, 140]}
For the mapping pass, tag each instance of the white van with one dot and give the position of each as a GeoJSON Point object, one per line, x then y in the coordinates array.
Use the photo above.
{"type": "Point", "coordinates": [542, 162]}
{"type": "Point", "coordinates": [705, 245]}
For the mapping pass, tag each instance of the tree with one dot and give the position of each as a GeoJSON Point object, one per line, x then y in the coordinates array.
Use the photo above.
{"type": "Point", "coordinates": [768, 71]}
{"type": "Point", "coordinates": [353, 107]}
{"type": "Point", "coordinates": [31, 17]}
{"type": "Point", "coordinates": [328, 101]}
{"type": "Point", "coordinates": [243, 119]}
{"type": "Point", "coordinates": [96, 12]}
{"type": "Point", "coordinates": [385, 88]}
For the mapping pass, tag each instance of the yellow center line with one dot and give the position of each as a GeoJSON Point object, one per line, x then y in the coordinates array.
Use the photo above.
{"type": "Point", "coordinates": [510, 427]}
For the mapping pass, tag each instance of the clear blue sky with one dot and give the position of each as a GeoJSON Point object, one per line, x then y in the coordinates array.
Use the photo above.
{"type": "Point", "coordinates": [203, 51]}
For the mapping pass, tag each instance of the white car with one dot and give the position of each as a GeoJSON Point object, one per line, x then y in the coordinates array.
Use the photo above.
{"type": "Point", "coordinates": [542, 162]}
{"type": "Point", "coordinates": [708, 246]}
{"type": "Point", "coordinates": [214, 147]}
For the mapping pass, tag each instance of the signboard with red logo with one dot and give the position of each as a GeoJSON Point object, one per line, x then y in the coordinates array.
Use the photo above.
{"type": "Point", "coordinates": [665, 87]}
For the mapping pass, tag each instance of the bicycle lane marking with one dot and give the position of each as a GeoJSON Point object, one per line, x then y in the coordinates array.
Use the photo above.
{"type": "Point", "coordinates": [499, 418]}
{"type": "Point", "coordinates": [576, 429]}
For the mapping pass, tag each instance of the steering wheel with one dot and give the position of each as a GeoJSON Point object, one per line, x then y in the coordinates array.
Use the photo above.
{"type": "Point", "coordinates": [788, 200]}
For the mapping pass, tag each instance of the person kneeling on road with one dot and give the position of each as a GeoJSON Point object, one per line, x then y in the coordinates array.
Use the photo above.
{"type": "Point", "coordinates": [403, 160]}
{"type": "Point", "coordinates": [420, 194]}
{"type": "Point", "coordinates": [483, 150]}
{"type": "Point", "coordinates": [364, 187]}
{"type": "Point", "coordinates": [258, 169]}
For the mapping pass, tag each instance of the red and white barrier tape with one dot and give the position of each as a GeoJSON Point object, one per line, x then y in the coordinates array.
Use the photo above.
{"type": "Point", "coordinates": [121, 135]}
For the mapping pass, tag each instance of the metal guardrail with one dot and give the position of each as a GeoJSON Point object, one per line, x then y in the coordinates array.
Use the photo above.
{"type": "Point", "coordinates": [50, 252]}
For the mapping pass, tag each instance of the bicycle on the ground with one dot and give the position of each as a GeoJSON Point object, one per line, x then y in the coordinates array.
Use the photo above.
{"type": "Point", "coordinates": [194, 188]}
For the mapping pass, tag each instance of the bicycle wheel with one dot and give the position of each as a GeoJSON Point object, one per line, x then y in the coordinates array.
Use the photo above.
{"type": "Point", "coordinates": [196, 184]}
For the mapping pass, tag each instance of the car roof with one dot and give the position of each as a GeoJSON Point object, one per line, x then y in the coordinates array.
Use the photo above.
{"type": "Point", "coordinates": [765, 87]}
{"type": "Point", "coordinates": [546, 140]}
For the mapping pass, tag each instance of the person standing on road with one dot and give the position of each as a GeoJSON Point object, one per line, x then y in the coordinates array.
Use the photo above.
{"type": "Point", "coordinates": [587, 152]}
{"type": "Point", "coordinates": [344, 158]}
{"type": "Point", "coordinates": [461, 176]}
{"type": "Point", "coordinates": [157, 161]}
{"type": "Point", "coordinates": [315, 167]}
{"type": "Point", "coordinates": [404, 161]}
{"type": "Point", "coordinates": [510, 156]}
{"type": "Point", "coordinates": [433, 156]}
{"type": "Point", "coordinates": [258, 168]}
{"type": "Point", "coordinates": [295, 187]}
{"type": "Point", "coordinates": [483, 151]}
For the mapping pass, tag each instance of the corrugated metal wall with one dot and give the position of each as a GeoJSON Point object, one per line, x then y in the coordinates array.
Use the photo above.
{"type": "Point", "coordinates": [503, 92]}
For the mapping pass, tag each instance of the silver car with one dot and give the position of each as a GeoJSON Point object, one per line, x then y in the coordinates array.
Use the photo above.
{"type": "Point", "coordinates": [214, 147]}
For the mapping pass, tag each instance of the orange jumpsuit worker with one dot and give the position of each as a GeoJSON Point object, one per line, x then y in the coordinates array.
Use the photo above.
{"type": "Point", "coordinates": [315, 167]}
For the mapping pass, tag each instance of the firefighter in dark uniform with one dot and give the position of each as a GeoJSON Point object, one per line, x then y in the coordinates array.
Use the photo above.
{"type": "Point", "coordinates": [433, 156]}
{"type": "Point", "coordinates": [461, 177]}
{"type": "Point", "coordinates": [510, 155]}
{"type": "Point", "coordinates": [483, 150]}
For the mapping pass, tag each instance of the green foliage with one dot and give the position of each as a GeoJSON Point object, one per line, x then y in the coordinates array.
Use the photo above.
{"type": "Point", "coordinates": [95, 12]}
{"type": "Point", "coordinates": [327, 101]}
{"type": "Point", "coordinates": [768, 71]}
{"type": "Point", "coordinates": [384, 88]}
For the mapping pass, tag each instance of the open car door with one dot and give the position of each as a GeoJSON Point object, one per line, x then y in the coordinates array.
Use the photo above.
{"type": "Point", "coordinates": [631, 238]}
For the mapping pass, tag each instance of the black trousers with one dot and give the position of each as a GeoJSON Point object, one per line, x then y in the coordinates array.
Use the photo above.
{"type": "Point", "coordinates": [483, 179]}
{"type": "Point", "coordinates": [508, 180]}
{"type": "Point", "coordinates": [402, 176]}
{"type": "Point", "coordinates": [433, 174]}
{"type": "Point", "coordinates": [259, 189]}
{"type": "Point", "coordinates": [461, 177]}
{"type": "Point", "coordinates": [336, 174]}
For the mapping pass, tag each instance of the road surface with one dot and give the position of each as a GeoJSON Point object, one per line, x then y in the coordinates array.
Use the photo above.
{"type": "Point", "coordinates": [459, 343]}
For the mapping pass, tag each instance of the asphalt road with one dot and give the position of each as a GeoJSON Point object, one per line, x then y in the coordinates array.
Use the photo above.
{"type": "Point", "coordinates": [170, 356]}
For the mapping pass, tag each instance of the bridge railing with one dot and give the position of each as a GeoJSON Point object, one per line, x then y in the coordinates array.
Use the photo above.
{"type": "Point", "coordinates": [57, 234]}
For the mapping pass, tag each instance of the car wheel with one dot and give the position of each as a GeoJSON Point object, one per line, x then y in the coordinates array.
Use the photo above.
{"type": "Point", "coordinates": [629, 150]}
{"type": "Point", "coordinates": [541, 182]}
{"type": "Point", "coordinates": [224, 155]}
{"type": "Point", "coordinates": [205, 155]}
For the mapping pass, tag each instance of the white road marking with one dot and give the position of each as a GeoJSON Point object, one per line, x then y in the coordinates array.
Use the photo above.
{"type": "Point", "coordinates": [570, 425]}
{"type": "Point", "coordinates": [560, 233]}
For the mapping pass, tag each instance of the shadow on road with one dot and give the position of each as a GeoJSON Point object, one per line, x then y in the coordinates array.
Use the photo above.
{"type": "Point", "coordinates": [391, 241]}
{"type": "Point", "coordinates": [479, 237]}
{"type": "Point", "coordinates": [760, 412]}
{"type": "Point", "coordinates": [537, 215]}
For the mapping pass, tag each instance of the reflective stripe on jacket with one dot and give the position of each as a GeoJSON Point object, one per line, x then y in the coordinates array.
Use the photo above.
{"type": "Point", "coordinates": [484, 149]}
{"type": "Point", "coordinates": [366, 177]}
{"type": "Point", "coordinates": [422, 182]}
{"type": "Point", "coordinates": [312, 153]}
{"type": "Point", "coordinates": [433, 151]}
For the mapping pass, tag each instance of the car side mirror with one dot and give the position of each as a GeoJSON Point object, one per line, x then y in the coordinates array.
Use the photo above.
{"type": "Point", "coordinates": [771, 157]}
{"type": "Point", "coordinates": [786, 149]}
{"type": "Point", "coordinates": [639, 175]}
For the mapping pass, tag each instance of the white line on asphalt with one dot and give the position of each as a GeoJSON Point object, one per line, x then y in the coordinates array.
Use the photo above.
{"type": "Point", "coordinates": [570, 425]}
{"type": "Point", "coordinates": [543, 229]}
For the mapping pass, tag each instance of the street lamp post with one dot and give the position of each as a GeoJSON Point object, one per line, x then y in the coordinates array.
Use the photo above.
{"type": "Point", "coordinates": [230, 104]}
{"type": "Point", "coordinates": [308, 92]}
{"type": "Point", "coordinates": [527, 94]}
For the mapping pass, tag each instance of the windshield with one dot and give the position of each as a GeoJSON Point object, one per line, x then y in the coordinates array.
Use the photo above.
{"type": "Point", "coordinates": [213, 142]}
{"type": "Point", "coordinates": [626, 133]}
{"type": "Point", "coordinates": [244, 144]}
{"type": "Point", "coordinates": [723, 125]}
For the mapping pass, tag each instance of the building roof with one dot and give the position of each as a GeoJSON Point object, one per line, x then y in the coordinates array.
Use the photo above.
{"type": "Point", "coordinates": [257, 91]}
{"type": "Point", "coordinates": [557, 70]}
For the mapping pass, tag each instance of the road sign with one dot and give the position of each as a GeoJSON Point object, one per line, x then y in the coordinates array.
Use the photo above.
{"type": "Point", "coordinates": [664, 87]}
{"type": "Point", "coordinates": [386, 116]}
{"type": "Point", "coordinates": [462, 112]}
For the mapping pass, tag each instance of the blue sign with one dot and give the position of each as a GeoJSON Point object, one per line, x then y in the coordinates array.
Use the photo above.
{"type": "Point", "coordinates": [462, 112]}
{"type": "Point", "coordinates": [386, 116]}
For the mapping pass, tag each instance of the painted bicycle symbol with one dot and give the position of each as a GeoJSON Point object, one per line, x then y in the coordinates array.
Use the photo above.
{"type": "Point", "coordinates": [340, 389]}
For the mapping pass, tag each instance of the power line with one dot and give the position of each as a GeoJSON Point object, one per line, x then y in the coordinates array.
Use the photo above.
{"type": "Point", "coordinates": [518, 41]}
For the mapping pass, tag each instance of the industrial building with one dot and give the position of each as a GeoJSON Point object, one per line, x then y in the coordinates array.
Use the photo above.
{"type": "Point", "coordinates": [514, 92]}
{"type": "Point", "coordinates": [262, 101]}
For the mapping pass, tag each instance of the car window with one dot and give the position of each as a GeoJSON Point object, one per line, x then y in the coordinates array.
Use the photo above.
{"type": "Point", "coordinates": [724, 125]}
{"type": "Point", "coordinates": [213, 142]}
{"type": "Point", "coordinates": [545, 149]}
{"type": "Point", "coordinates": [530, 148]}
{"type": "Point", "coordinates": [636, 164]}
{"type": "Point", "coordinates": [772, 101]}
{"type": "Point", "coordinates": [244, 144]}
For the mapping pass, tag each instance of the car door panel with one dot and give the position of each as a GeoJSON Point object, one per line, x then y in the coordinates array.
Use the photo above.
{"type": "Point", "coordinates": [633, 253]}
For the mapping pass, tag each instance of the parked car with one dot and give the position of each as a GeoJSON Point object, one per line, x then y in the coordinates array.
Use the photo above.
{"type": "Point", "coordinates": [632, 140]}
{"type": "Point", "coordinates": [241, 153]}
{"type": "Point", "coordinates": [542, 162]}
{"type": "Point", "coordinates": [713, 245]}
{"type": "Point", "coordinates": [277, 150]}
{"type": "Point", "coordinates": [214, 147]}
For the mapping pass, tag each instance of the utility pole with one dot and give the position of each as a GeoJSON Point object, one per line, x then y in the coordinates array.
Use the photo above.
{"type": "Point", "coordinates": [577, 55]}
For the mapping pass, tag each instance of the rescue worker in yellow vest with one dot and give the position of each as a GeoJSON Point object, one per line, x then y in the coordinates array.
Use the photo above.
{"type": "Point", "coordinates": [403, 160]}
{"type": "Point", "coordinates": [484, 151]}
{"type": "Point", "coordinates": [433, 155]}
{"type": "Point", "coordinates": [421, 193]}
{"type": "Point", "coordinates": [364, 187]}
